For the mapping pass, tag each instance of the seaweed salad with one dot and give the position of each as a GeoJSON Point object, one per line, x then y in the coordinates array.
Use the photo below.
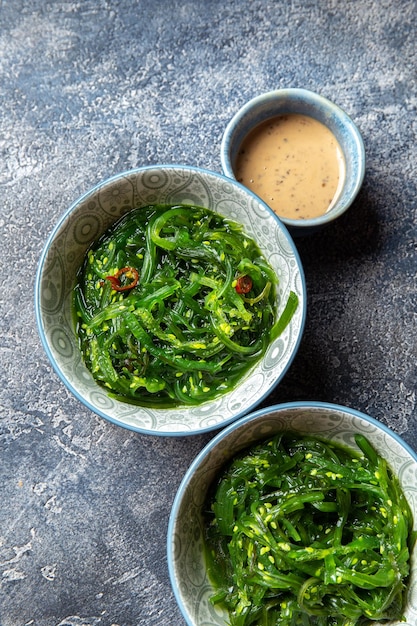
{"type": "Point", "coordinates": [174, 304]}
{"type": "Point", "coordinates": [304, 532]}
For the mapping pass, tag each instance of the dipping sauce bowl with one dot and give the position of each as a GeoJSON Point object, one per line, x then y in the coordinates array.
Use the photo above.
{"type": "Point", "coordinates": [273, 131]}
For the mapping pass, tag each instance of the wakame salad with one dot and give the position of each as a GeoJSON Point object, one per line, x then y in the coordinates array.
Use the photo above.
{"type": "Point", "coordinates": [303, 532]}
{"type": "Point", "coordinates": [174, 304]}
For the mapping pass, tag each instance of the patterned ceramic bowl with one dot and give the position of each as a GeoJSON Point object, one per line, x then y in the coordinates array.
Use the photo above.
{"type": "Point", "coordinates": [301, 101]}
{"type": "Point", "coordinates": [186, 562]}
{"type": "Point", "coordinates": [89, 217]}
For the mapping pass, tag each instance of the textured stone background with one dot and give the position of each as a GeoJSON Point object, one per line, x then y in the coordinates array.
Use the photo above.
{"type": "Point", "coordinates": [93, 87]}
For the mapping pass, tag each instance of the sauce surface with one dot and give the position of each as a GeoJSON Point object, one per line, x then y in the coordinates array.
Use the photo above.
{"type": "Point", "coordinates": [294, 163]}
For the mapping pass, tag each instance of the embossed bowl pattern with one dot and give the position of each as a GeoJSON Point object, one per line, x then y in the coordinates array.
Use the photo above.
{"type": "Point", "coordinates": [185, 555]}
{"type": "Point", "coordinates": [89, 217]}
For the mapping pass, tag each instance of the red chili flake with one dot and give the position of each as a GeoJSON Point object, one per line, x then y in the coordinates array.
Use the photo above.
{"type": "Point", "coordinates": [128, 272]}
{"type": "Point", "coordinates": [244, 284]}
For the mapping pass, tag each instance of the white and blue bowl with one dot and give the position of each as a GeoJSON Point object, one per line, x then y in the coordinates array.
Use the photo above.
{"type": "Point", "coordinates": [304, 102]}
{"type": "Point", "coordinates": [87, 219]}
{"type": "Point", "coordinates": [186, 562]}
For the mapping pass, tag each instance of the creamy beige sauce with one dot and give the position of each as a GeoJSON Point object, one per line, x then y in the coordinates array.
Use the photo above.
{"type": "Point", "coordinates": [294, 163]}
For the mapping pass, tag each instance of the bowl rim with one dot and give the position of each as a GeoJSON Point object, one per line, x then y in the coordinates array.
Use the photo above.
{"type": "Point", "coordinates": [39, 318]}
{"type": "Point", "coordinates": [222, 435]}
{"type": "Point", "coordinates": [318, 101]}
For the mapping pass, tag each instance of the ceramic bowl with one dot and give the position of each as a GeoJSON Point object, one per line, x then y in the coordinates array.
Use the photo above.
{"type": "Point", "coordinates": [89, 217]}
{"type": "Point", "coordinates": [186, 562]}
{"type": "Point", "coordinates": [301, 101]}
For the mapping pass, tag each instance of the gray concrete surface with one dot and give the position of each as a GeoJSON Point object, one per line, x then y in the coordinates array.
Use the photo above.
{"type": "Point", "coordinates": [89, 88]}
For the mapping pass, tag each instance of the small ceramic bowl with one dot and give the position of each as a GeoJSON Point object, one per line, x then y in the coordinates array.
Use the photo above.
{"type": "Point", "coordinates": [185, 552]}
{"type": "Point", "coordinates": [301, 101]}
{"type": "Point", "coordinates": [87, 219]}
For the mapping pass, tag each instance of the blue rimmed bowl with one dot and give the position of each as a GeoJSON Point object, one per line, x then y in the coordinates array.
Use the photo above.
{"type": "Point", "coordinates": [185, 539]}
{"type": "Point", "coordinates": [301, 101]}
{"type": "Point", "coordinates": [87, 219]}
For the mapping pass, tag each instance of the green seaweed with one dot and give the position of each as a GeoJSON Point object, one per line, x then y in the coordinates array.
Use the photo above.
{"type": "Point", "coordinates": [180, 334]}
{"type": "Point", "coordinates": [301, 531]}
